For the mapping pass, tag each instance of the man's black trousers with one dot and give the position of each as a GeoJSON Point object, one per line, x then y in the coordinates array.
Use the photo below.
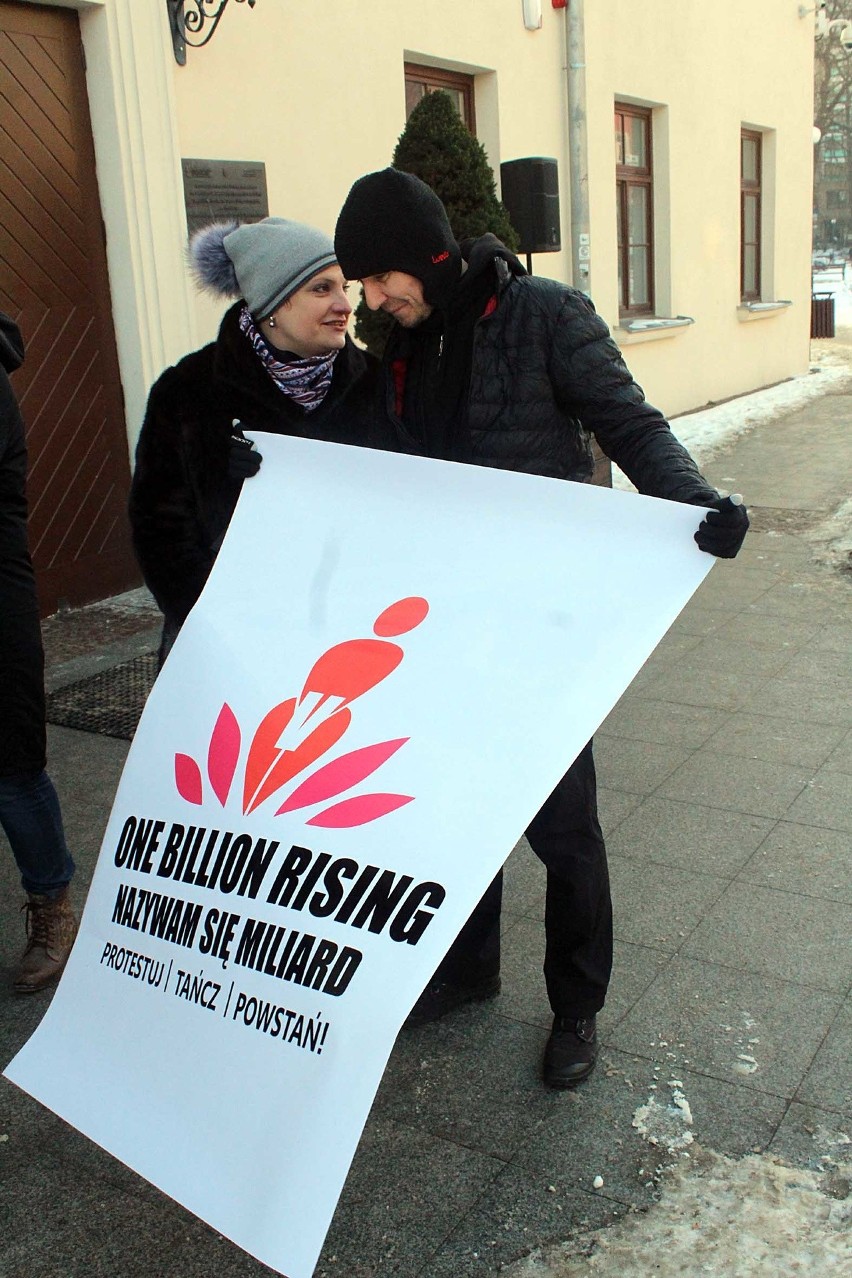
{"type": "Point", "coordinates": [565, 835]}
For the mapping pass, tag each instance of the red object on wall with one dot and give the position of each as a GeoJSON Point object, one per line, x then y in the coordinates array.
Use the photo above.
{"type": "Point", "coordinates": [559, 4]}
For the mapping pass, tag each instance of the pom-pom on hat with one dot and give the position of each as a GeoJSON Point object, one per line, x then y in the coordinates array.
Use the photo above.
{"type": "Point", "coordinates": [264, 262]}
{"type": "Point", "coordinates": [391, 221]}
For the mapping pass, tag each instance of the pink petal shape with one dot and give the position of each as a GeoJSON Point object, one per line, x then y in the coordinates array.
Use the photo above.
{"type": "Point", "coordinates": [341, 774]}
{"type": "Point", "coordinates": [188, 778]}
{"type": "Point", "coordinates": [358, 811]}
{"type": "Point", "coordinates": [223, 753]}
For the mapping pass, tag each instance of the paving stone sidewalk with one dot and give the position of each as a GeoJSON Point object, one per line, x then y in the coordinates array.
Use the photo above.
{"type": "Point", "coordinates": [726, 797]}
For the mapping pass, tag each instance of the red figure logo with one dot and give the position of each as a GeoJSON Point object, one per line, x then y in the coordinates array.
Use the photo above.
{"type": "Point", "coordinates": [440, 257]}
{"type": "Point", "coordinates": [342, 674]}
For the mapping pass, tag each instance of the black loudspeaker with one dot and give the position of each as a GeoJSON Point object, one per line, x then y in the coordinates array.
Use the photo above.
{"type": "Point", "coordinates": [531, 194]}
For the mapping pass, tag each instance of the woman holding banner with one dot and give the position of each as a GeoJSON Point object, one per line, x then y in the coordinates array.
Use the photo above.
{"type": "Point", "coordinates": [283, 362]}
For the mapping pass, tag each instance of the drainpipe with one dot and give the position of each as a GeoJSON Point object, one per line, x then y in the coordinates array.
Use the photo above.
{"type": "Point", "coordinates": [578, 148]}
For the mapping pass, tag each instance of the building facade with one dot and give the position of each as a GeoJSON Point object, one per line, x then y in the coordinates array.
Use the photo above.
{"type": "Point", "coordinates": [684, 181]}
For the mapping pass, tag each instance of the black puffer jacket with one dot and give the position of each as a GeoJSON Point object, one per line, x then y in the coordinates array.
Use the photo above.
{"type": "Point", "coordinates": [544, 375]}
{"type": "Point", "coordinates": [181, 498]}
{"type": "Point", "coordinates": [22, 732]}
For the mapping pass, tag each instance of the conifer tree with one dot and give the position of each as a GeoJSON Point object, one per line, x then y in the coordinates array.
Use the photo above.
{"type": "Point", "coordinates": [437, 147]}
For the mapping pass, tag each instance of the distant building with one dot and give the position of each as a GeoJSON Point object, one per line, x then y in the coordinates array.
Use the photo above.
{"type": "Point", "coordinates": [832, 214]}
{"type": "Point", "coordinates": [692, 148]}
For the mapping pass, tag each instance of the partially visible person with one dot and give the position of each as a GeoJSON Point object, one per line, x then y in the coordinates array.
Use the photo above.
{"type": "Point", "coordinates": [283, 362]}
{"type": "Point", "coordinates": [491, 366]}
{"type": "Point", "coordinates": [29, 808]}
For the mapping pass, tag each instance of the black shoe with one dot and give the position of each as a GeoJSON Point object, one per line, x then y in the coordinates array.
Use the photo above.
{"type": "Point", "coordinates": [442, 997]}
{"type": "Point", "coordinates": [571, 1051]}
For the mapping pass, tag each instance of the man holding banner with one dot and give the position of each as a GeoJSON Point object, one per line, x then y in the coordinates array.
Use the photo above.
{"type": "Point", "coordinates": [490, 366]}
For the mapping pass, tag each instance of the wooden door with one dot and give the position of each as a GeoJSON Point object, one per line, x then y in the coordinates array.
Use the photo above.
{"type": "Point", "coordinates": [54, 284]}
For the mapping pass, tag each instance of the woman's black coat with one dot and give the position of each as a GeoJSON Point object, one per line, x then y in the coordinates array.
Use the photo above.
{"type": "Point", "coordinates": [182, 498]}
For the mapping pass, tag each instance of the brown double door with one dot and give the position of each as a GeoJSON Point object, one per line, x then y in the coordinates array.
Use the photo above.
{"type": "Point", "coordinates": [54, 284]}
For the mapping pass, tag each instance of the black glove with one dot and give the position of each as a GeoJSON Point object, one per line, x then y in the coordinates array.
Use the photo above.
{"type": "Point", "coordinates": [243, 459]}
{"type": "Point", "coordinates": [723, 531]}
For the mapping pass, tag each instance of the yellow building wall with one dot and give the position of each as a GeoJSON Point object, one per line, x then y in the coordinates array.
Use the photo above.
{"type": "Point", "coordinates": [315, 90]}
{"type": "Point", "coordinates": [710, 69]}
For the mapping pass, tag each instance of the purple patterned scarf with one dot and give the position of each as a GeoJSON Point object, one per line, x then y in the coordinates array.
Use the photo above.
{"type": "Point", "coordinates": [304, 380]}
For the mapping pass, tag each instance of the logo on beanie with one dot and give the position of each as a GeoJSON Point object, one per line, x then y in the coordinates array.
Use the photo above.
{"type": "Point", "coordinates": [440, 257]}
{"type": "Point", "coordinates": [280, 750]}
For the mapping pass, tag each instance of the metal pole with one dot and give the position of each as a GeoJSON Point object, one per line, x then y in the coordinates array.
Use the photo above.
{"type": "Point", "coordinates": [578, 149]}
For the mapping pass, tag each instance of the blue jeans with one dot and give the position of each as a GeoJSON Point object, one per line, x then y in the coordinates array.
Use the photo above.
{"type": "Point", "coordinates": [31, 817]}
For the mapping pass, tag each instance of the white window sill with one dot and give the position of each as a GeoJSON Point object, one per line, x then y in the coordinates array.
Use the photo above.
{"type": "Point", "coordinates": [652, 329]}
{"type": "Point", "coordinates": [760, 310]}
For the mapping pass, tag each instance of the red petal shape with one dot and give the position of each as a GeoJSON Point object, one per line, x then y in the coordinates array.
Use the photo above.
{"type": "Point", "coordinates": [223, 753]}
{"type": "Point", "coordinates": [188, 778]}
{"type": "Point", "coordinates": [401, 616]}
{"type": "Point", "coordinates": [350, 669]}
{"type": "Point", "coordinates": [341, 774]}
{"type": "Point", "coordinates": [358, 811]}
{"type": "Point", "coordinates": [264, 749]}
{"type": "Point", "coordinates": [290, 762]}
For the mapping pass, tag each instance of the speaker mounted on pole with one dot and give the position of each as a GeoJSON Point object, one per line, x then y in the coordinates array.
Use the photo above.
{"type": "Point", "coordinates": [530, 192]}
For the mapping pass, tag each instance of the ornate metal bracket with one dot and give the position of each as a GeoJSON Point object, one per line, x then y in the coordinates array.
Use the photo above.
{"type": "Point", "coordinates": [188, 20]}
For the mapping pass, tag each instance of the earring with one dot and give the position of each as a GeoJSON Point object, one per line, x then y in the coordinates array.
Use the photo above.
{"type": "Point", "coordinates": [271, 321]}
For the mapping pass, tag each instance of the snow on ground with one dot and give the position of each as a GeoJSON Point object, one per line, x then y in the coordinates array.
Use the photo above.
{"type": "Point", "coordinates": [833, 537]}
{"type": "Point", "coordinates": [750, 1218]}
{"type": "Point", "coordinates": [753, 1217]}
{"type": "Point", "coordinates": [705, 432]}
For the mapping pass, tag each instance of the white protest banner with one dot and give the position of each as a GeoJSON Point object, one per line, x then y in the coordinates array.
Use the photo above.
{"type": "Point", "coordinates": [392, 664]}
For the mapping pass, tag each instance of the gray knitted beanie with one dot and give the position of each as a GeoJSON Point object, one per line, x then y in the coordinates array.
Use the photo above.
{"type": "Point", "coordinates": [263, 262]}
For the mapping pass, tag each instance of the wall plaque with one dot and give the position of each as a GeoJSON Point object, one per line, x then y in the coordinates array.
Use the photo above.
{"type": "Point", "coordinates": [224, 191]}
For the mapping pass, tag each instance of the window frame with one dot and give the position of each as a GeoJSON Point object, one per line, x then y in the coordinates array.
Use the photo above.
{"type": "Point", "coordinates": [627, 178]}
{"type": "Point", "coordinates": [751, 189]}
{"type": "Point", "coordinates": [436, 78]}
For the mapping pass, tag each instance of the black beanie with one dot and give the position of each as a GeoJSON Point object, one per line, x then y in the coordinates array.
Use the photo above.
{"type": "Point", "coordinates": [391, 221]}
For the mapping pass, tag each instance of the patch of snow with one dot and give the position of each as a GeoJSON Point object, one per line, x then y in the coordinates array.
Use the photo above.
{"type": "Point", "coordinates": [667, 1126]}
{"type": "Point", "coordinates": [706, 432]}
{"type": "Point", "coordinates": [831, 1140]}
{"type": "Point", "coordinates": [833, 537]}
{"type": "Point", "coordinates": [717, 1215]}
{"type": "Point", "coordinates": [746, 1062]}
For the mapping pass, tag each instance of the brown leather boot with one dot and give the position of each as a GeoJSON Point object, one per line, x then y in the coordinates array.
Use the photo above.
{"type": "Point", "coordinates": [51, 928]}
